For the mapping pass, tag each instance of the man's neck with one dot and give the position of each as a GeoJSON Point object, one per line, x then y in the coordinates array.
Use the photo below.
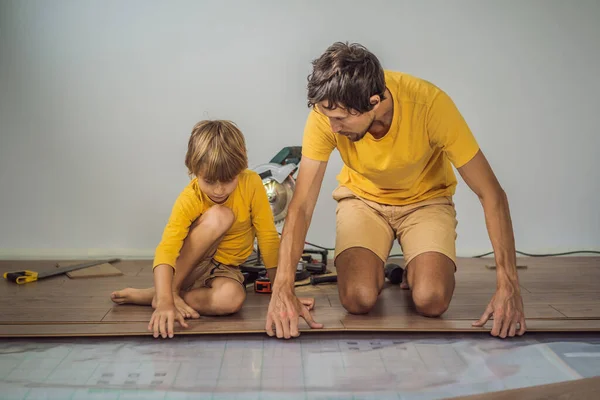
{"type": "Point", "coordinates": [383, 117]}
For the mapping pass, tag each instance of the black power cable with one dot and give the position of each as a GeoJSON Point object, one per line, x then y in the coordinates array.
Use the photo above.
{"type": "Point", "coordinates": [545, 255]}
{"type": "Point", "coordinates": [484, 254]}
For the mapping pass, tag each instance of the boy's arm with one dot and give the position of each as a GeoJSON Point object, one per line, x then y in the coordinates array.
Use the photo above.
{"type": "Point", "coordinates": [185, 210]}
{"type": "Point", "coordinates": [165, 314]}
{"type": "Point", "coordinates": [163, 282]}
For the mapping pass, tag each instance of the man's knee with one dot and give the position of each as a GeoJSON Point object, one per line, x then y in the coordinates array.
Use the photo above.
{"type": "Point", "coordinates": [358, 299]}
{"type": "Point", "coordinates": [430, 302]}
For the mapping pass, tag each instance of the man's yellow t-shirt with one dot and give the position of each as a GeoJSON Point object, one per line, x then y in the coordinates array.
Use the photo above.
{"type": "Point", "coordinates": [413, 161]}
{"type": "Point", "coordinates": [253, 219]}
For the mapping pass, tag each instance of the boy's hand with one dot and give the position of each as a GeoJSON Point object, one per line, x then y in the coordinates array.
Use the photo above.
{"type": "Point", "coordinates": [183, 308]}
{"type": "Point", "coordinates": [163, 319]}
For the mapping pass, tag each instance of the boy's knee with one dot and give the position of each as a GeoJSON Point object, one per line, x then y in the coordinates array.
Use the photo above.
{"type": "Point", "coordinates": [358, 299]}
{"type": "Point", "coordinates": [217, 219]}
{"type": "Point", "coordinates": [228, 298]}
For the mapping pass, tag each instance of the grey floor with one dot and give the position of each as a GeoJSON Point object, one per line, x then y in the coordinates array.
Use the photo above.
{"type": "Point", "coordinates": [315, 366]}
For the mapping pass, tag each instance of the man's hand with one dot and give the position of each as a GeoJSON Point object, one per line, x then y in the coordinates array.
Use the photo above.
{"type": "Point", "coordinates": [163, 318]}
{"type": "Point", "coordinates": [309, 302]}
{"type": "Point", "coordinates": [507, 308]}
{"type": "Point", "coordinates": [285, 309]}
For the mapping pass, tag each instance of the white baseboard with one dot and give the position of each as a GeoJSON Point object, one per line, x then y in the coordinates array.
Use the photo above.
{"type": "Point", "coordinates": [75, 254]}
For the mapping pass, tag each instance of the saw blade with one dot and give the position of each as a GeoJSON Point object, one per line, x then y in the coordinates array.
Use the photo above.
{"type": "Point", "coordinates": [280, 196]}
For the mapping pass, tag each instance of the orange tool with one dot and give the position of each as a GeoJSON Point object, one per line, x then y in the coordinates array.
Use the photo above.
{"type": "Point", "coordinates": [262, 285]}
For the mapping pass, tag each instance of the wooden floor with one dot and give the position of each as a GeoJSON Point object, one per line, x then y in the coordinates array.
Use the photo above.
{"type": "Point", "coordinates": [560, 294]}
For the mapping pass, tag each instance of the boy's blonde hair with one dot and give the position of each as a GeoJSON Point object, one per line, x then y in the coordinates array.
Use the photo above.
{"type": "Point", "coordinates": [216, 151]}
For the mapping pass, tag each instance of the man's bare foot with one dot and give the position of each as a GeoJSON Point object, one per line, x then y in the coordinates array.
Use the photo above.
{"type": "Point", "coordinates": [141, 297]}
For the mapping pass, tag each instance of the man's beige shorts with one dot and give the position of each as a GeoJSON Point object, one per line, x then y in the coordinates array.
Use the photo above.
{"type": "Point", "coordinates": [422, 227]}
{"type": "Point", "coordinates": [203, 274]}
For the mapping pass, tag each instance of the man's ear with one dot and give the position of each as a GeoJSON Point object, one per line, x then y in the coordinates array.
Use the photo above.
{"type": "Point", "coordinates": [375, 101]}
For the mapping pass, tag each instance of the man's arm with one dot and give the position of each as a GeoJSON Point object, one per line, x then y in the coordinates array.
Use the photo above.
{"type": "Point", "coordinates": [285, 308]}
{"type": "Point", "coordinates": [272, 274]}
{"type": "Point", "coordinates": [297, 221]}
{"type": "Point", "coordinates": [507, 305]}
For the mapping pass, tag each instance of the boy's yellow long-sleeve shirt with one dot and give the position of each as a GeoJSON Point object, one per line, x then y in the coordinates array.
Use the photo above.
{"type": "Point", "coordinates": [253, 219]}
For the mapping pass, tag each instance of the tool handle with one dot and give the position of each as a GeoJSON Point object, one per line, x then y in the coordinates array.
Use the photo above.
{"type": "Point", "coordinates": [21, 277]}
{"type": "Point", "coordinates": [315, 280]}
{"type": "Point", "coordinates": [321, 252]}
{"type": "Point", "coordinates": [63, 270]}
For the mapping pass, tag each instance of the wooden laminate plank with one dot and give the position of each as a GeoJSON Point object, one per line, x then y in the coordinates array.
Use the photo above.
{"type": "Point", "coordinates": [216, 326]}
{"type": "Point", "coordinates": [559, 295]}
{"type": "Point", "coordinates": [133, 313]}
{"type": "Point", "coordinates": [51, 315]}
{"type": "Point", "coordinates": [588, 311]}
{"type": "Point", "coordinates": [57, 301]}
{"type": "Point", "coordinates": [413, 323]}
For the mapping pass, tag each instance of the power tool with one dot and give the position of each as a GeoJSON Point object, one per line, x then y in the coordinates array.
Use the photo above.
{"type": "Point", "coordinates": [393, 273]}
{"type": "Point", "coordinates": [278, 180]}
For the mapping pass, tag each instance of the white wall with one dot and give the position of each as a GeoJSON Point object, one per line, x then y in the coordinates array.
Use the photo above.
{"type": "Point", "coordinates": [97, 99]}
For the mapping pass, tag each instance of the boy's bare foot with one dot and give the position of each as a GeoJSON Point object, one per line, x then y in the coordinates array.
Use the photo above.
{"type": "Point", "coordinates": [141, 297]}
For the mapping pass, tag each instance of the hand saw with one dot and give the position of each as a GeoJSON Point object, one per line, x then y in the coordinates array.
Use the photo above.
{"type": "Point", "coordinates": [26, 276]}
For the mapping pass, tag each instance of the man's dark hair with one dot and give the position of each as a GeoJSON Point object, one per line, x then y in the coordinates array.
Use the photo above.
{"type": "Point", "coordinates": [346, 75]}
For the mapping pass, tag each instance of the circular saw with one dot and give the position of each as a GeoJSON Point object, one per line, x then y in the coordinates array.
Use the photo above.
{"type": "Point", "coordinates": [278, 180]}
{"type": "Point", "coordinates": [279, 184]}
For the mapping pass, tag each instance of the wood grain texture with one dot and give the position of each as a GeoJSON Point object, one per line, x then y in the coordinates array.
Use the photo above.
{"type": "Point", "coordinates": [96, 271]}
{"type": "Point", "coordinates": [26, 313]}
{"type": "Point", "coordinates": [218, 326]}
{"type": "Point", "coordinates": [131, 329]}
{"type": "Point", "coordinates": [416, 323]}
{"type": "Point", "coordinates": [560, 294]}
{"type": "Point", "coordinates": [579, 389]}
{"type": "Point", "coordinates": [587, 311]}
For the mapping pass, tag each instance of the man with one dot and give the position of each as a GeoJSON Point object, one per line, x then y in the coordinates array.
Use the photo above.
{"type": "Point", "coordinates": [398, 137]}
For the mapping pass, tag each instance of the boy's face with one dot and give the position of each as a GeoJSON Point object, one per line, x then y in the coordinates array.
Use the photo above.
{"type": "Point", "coordinates": [217, 191]}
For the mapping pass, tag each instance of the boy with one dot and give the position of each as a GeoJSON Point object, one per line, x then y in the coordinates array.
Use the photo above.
{"type": "Point", "coordinates": [210, 232]}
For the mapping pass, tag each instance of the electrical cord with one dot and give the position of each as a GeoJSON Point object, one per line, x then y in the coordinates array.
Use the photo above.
{"type": "Point", "coordinates": [319, 247]}
{"type": "Point", "coordinates": [491, 252]}
{"type": "Point", "coordinates": [545, 255]}
{"type": "Point", "coordinates": [315, 245]}
{"type": "Point", "coordinates": [527, 254]}
{"type": "Point", "coordinates": [484, 254]}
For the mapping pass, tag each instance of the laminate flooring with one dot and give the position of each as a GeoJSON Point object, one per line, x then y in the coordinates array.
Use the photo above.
{"type": "Point", "coordinates": [561, 294]}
